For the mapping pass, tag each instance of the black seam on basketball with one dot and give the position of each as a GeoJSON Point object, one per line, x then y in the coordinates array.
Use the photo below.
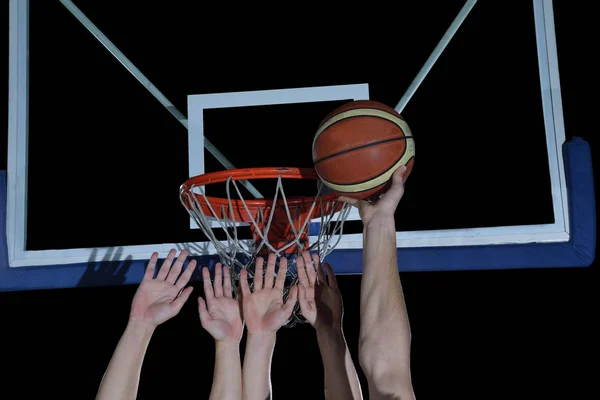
{"type": "Point", "coordinates": [364, 146]}
{"type": "Point", "coordinates": [370, 179]}
{"type": "Point", "coordinates": [354, 116]}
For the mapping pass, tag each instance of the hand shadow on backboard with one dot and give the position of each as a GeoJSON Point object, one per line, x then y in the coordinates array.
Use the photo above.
{"type": "Point", "coordinates": [201, 257]}
{"type": "Point", "coordinates": [206, 258]}
{"type": "Point", "coordinates": [110, 271]}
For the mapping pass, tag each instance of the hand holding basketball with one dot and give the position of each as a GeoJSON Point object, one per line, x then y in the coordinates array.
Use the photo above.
{"type": "Point", "coordinates": [220, 313]}
{"type": "Point", "coordinates": [160, 299]}
{"type": "Point", "coordinates": [319, 297]}
{"type": "Point", "coordinates": [386, 205]}
{"type": "Point", "coordinates": [358, 147]}
{"type": "Point", "coordinates": [263, 308]}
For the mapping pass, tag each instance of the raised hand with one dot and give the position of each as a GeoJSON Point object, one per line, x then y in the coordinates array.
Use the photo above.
{"type": "Point", "coordinates": [319, 296]}
{"type": "Point", "coordinates": [160, 299]}
{"type": "Point", "coordinates": [220, 313]}
{"type": "Point", "coordinates": [263, 308]}
{"type": "Point", "coordinates": [387, 203]}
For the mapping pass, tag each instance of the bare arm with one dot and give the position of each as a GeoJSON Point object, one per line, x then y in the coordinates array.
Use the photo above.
{"type": "Point", "coordinates": [384, 346]}
{"type": "Point", "coordinates": [122, 377]}
{"type": "Point", "coordinates": [227, 380]}
{"type": "Point", "coordinates": [264, 312]}
{"type": "Point", "coordinates": [256, 374]}
{"type": "Point", "coordinates": [220, 315]}
{"type": "Point", "coordinates": [341, 379]}
{"type": "Point", "coordinates": [156, 301]}
{"type": "Point", "coordinates": [321, 305]}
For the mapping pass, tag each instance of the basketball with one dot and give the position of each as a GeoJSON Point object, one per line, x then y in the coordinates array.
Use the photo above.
{"type": "Point", "coordinates": [358, 147]}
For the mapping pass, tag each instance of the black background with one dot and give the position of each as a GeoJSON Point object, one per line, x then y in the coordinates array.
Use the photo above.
{"type": "Point", "coordinates": [104, 153]}
{"type": "Point", "coordinates": [484, 334]}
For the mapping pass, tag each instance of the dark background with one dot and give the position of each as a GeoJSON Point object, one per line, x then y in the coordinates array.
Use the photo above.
{"type": "Point", "coordinates": [480, 334]}
{"type": "Point", "coordinates": [104, 153]}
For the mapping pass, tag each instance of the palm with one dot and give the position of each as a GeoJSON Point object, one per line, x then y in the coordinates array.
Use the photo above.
{"type": "Point", "coordinates": [264, 309]}
{"type": "Point", "coordinates": [159, 299]}
{"type": "Point", "coordinates": [225, 321]}
{"type": "Point", "coordinates": [153, 301]}
{"type": "Point", "coordinates": [220, 313]}
{"type": "Point", "coordinates": [326, 307]}
{"type": "Point", "coordinates": [320, 299]}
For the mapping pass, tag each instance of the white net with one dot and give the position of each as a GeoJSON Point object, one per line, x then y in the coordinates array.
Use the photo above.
{"type": "Point", "coordinates": [285, 228]}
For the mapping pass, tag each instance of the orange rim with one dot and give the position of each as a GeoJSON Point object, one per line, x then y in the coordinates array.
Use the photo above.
{"type": "Point", "coordinates": [220, 204]}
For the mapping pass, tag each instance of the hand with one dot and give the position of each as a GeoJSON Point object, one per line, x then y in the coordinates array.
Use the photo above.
{"type": "Point", "coordinates": [264, 310]}
{"type": "Point", "coordinates": [387, 203]}
{"type": "Point", "coordinates": [160, 299]}
{"type": "Point", "coordinates": [220, 314]}
{"type": "Point", "coordinates": [319, 296]}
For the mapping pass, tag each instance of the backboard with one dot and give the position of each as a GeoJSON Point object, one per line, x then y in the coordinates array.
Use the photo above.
{"type": "Point", "coordinates": [108, 117]}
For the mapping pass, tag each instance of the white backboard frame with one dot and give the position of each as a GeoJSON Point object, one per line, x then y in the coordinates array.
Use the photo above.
{"type": "Point", "coordinates": [18, 142]}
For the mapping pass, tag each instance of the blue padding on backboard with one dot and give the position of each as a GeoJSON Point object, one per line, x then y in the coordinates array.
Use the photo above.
{"type": "Point", "coordinates": [578, 252]}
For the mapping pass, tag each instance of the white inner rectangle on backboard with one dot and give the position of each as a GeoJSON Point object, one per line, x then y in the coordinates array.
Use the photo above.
{"type": "Point", "coordinates": [199, 102]}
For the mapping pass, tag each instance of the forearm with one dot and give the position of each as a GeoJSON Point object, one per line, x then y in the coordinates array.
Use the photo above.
{"type": "Point", "coordinates": [256, 374]}
{"type": "Point", "coordinates": [385, 331]}
{"type": "Point", "coordinates": [341, 380]}
{"type": "Point", "coordinates": [227, 380]}
{"type": "Point", "coordinates": [121, 379]}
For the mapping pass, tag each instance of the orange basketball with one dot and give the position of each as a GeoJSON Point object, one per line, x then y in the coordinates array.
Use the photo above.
{"type": "Point", "coordinates": [358, 147]}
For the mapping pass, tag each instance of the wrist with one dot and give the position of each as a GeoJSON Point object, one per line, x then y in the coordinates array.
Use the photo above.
{"type": "Point", "coordinates": [330, 336]}
{"type": "Point", "coordinates": [263, 338]}
{"type": "Point", "coordinates": [381, 221]}
{"type": "Point", "coordinates": [140, 329]}
{"type": "Point", "coordinates": [227, 346]}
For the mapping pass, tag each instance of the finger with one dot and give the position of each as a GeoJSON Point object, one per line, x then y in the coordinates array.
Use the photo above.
{"type": "Point", "coordinates": [319, 268]}
{"type": "Point", "coordinates": [398, 177]}
{"type": "Point", "coordinates": [281, 274]}
{"type": "Point", "coordinates": [349, 200]}
{"type": "Point", "coordinates": [208, 289]}
{"type": "Point", "coordinates": [151, 266]}
{"type": "Point", "coordinates": [396, 191]}
{"type": "Point", "coordinates": [244, 283]}
{"type": "Point", "coordinates": [288, 307]}
{"type": "Point", "coordinates": [166, 265]}
{"type": "Point", "coordinates": [187, 275]}
{"type": "Point", "coordinates": [302, 276]}
{"type": "Point", "coordinates": [227, 283]}
{"type": "Point", "coordinates": [176, 269]}
{"type": "Point", "coordinates": [331, 276]}
{"type": "Point", "coordinates": [304, 306]}
{"type": "Point", "coordinates": [181, 299]}
{"type": "Point", "coordinates": [258, 274]}
{"type": "Point", "coordinates": [310, 268]}
{"type": "Point", "coordinates": [218, 282]}
{"type": "Point", "coordinates": [270, 273]}
{"type": "Point", "coordinates": [203, 311]}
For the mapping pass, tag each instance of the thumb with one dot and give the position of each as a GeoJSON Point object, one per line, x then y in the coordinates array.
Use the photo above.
{"type": "Point", "coordinates": [398, 177]}
{"type": "Point", "coordinates": [180, 301]}
{"type": "Point", "coordinates": [392, 197]}
{"type": "Point", "coordinates": [302, 299]}
{"type": "Point", "coordinates": [349, 200]}
{"type": "Point", "coordinates": [202, 310]}
{"type": "Point", "coordinates": [291, 300]}
{"type": "Point", "coordinates": [358, 203]}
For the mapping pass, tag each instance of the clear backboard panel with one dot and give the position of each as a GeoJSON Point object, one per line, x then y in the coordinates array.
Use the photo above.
{"type": "Point", "coordinates": [104, 159]}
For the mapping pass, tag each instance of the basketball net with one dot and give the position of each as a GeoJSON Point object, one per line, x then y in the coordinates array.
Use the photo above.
{"type": "Point", "coordinates": [280, 226]}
